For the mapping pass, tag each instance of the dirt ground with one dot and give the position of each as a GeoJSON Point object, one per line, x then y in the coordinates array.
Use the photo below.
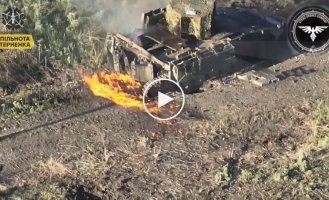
{"type": "Point", "coordinates": [234, 140]}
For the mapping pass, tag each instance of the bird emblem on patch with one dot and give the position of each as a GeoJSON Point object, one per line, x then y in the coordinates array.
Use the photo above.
{"type": "Point", "coordinates": [314, 31]}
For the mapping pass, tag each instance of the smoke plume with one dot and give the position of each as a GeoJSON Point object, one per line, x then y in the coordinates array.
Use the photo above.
{"type": "Point", "coordinates": [120, 15]}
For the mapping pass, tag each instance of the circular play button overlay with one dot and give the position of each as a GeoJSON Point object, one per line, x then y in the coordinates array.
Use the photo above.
{"type": "Point", "coordinates": [167, 100]}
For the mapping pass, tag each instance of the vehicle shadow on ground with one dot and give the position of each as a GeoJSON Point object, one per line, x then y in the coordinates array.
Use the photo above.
{"type": "Point", "coordinates": [296, 72]}
{"type": "Point", "coordinates": [15, 134]}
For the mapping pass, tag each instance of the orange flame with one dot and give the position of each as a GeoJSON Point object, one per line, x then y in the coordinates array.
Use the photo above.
{"type": "Point", "coordinates": [167, 123]}
{"type": "Point", "coordinates": [121, 89]}
{"type": "Point", "coordinates": [182, 132]}
{"type": "Point", "coordinates": [154, 135]}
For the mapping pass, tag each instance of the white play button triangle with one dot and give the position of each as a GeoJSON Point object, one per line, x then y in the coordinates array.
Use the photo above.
{"type": "Point", "coordinates": [163, 99]}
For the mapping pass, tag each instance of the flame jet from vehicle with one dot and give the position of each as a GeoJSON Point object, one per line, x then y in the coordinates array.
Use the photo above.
{"type": "Point", "coordinates": [121, 89]}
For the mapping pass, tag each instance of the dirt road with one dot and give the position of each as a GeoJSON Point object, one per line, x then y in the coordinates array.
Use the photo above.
{"type": "Point", "coordinates": [217, 148]}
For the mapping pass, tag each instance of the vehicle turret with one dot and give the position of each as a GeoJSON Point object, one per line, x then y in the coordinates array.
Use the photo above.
{"type": "Point", "coordinates": [190, 17]}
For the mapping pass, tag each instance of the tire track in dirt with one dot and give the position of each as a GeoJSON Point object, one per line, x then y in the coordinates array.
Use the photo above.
{"type": "Point", "coordinates": [37, 142]}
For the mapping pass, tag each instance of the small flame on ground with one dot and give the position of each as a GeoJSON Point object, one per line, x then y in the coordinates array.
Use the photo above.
{"type": "Point", "coordinates": [182, 132]}
{"type": "Point", "coordinates": [167, 122]}
{"type": "Point", "coordinates": [154, 135]}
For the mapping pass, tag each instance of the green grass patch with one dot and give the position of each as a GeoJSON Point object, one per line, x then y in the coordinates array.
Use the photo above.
{"type": "Point", "coordinates": [321, 123]}
{"type": "Point", "coordinates": [34, 189]}
{"type": "Point", "coordinates": [26, 106]}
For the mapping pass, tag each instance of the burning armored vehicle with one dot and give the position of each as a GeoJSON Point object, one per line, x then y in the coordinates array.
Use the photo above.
{"type": "Point", "coordinates": [191, 41]}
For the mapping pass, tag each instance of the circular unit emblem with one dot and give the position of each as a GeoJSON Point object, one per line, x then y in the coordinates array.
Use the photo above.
{"type": "Point", "coordinates": [13, 18]}
{"type": "Point", "coordinates": [309, 29]}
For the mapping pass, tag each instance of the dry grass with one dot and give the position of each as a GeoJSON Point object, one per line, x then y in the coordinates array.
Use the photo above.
{"type": "Point", "coordinates": [89, 165]}
{"type": "Point", "coordinates": [270, 165]}
{"type": "Point", "coordinates": [19, 69]}
{"type": "Point", "coordinates": [3, 188]}
{"type": "Point", "coordinates": [270, 168]}
{"type": "Point", "coordinates": [51, 168]}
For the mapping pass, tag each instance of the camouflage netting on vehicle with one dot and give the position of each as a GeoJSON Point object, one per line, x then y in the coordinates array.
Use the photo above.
{"type": "Point", "coordinates": [191, 17]}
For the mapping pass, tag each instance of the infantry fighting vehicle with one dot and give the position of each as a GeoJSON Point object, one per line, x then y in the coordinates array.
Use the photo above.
{"type": "Point", "coordinates": [191, 41]}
